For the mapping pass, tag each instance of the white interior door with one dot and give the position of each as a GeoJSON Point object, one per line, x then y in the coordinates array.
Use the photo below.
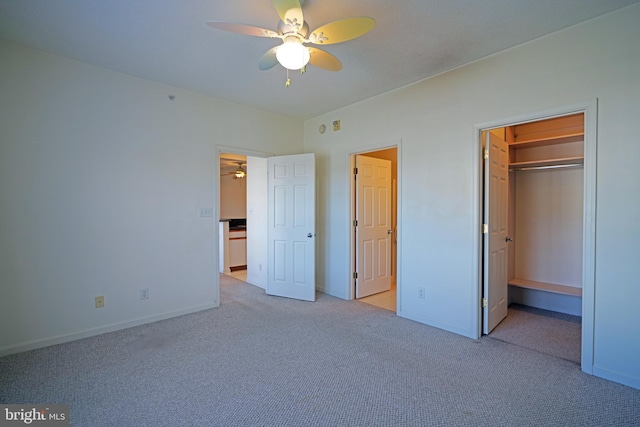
{"type": "Point", "coordinates": [291, 227]}
{"type": "Point", "coordinates": [373, 227]}
{"type": "Point", "coordinates": [496, 184]}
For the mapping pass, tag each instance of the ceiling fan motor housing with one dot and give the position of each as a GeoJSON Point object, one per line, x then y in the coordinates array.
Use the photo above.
{"type": "Point", "coordinates": [284, 29]}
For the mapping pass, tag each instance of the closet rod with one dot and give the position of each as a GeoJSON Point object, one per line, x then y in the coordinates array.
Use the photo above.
{"type": "Point", "coordinates": [531, 168]}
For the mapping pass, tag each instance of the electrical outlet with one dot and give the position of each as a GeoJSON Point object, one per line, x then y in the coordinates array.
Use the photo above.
{"type": "Point", "coordinates": [421, 293]}
{"type": "Point", "coordinates": [259, 267]}
{"type": "Point", "coordinates": [144, 293]}
{"type": "Point", "coordinates": [99, 301]}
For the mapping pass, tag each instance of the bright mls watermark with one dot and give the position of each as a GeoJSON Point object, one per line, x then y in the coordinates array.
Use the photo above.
{"type": "Point", "coordinates": [34, 415]}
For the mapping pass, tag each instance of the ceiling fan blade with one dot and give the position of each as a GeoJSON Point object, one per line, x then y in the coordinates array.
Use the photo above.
{"type": "Point", "coordinates": [290, 12]}
{"type": "Point", "coordinates": [268, 60]}
{"type": "Point", "coordinates": [248, 30]}
{"type": "Point", "coordinates": [342, 30]}
{"type": "Point", "coordinates": [324, 60]}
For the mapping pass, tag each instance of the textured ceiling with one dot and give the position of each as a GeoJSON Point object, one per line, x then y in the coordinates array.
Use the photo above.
{"type": "Point", "coordinates": [168, 42]}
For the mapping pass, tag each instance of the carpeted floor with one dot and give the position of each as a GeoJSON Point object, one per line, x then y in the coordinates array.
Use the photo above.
{"type": "Point", "coordinates": [548, 332]}
{"type": "Point", "coordinates": [266, 361]}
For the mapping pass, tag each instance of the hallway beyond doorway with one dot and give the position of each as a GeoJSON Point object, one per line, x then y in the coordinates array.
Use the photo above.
{"type": "Point", "coordinates": [386, 300]}
{"type": "Point", "coordinates": [239, 274]}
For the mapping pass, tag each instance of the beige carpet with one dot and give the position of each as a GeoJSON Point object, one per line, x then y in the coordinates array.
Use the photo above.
{"type": "Point", "coordinates": [259, 360]}
{"type": "Point", "coordinates": [544, 331]}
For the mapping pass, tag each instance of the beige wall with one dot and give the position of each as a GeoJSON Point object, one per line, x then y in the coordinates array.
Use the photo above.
{"type": "Point", "coordinates": [233, 196]}
{"type": "Point", "coordinates": [102, 177]}
{"type": "Point", "coordinates": [436, 121]}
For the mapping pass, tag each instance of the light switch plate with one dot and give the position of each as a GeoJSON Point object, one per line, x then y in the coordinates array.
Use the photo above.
{"type": "Point", "coordinates": [206, 212]}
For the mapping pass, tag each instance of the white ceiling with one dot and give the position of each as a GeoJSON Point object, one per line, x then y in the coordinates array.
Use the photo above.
{"type": "Point", "coordinates": [167, 41]}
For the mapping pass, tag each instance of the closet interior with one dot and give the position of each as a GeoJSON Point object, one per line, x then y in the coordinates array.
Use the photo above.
{"type": "Point", "coordinates": [545, 223]}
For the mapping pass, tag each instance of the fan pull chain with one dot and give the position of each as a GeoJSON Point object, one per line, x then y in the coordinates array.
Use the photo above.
{"type": "Point", "coordinates": [287, 83]}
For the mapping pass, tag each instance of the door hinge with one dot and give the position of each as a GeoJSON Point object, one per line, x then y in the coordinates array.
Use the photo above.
{"type": "Point", "coordinates": [355, 222]}
{"type": "Point", "coordinates": [485, 228]}
{"type": "Point", "coordinates": [484, 303]}
{"type": "Point", "coordinates": [485, 153]}
{"type": "Point", "coordinates": [355, 275]}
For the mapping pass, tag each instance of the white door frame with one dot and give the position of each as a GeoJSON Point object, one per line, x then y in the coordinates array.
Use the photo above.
{"type": "Point", "coordinates": [351, 189]}
{"type": "Point", "coordinates": [220, 149]}
{"type": "Point", "coordinates": [590, 110]}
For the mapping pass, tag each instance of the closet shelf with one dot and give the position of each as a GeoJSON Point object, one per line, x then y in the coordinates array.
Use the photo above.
{"type": "Point", "coordinates": [548, 162]}
{"type": "Point", "coordinates": [547, 287]}
{"type": "Point", "coordinates": [549, 140]}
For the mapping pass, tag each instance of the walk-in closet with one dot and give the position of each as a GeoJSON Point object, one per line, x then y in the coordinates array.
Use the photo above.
{"type": "Point", "coordinates": [544, 226]}
{"type": "Point", "coordinates": [545, 213]}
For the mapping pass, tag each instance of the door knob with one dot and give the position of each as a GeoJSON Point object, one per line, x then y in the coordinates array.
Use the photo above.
{"type": "Point", "coordinates": [389, 231]}
{"type": "Point", "coordinates": [508, 239]}
{"type": "Point", "coordinates": [309, 235]}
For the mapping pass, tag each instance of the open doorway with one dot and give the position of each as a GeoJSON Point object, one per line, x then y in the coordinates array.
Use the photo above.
{"type": "Point", "coordinates": [537, 235]}
{"type": "Point", "coordinates": [233, 215]}
{"type": "Point", "coordinates": [242, 200]}
{"type": "Point", "coordinates": [273, 231]}
{"type": "Point", "coordinates": [374, 204]}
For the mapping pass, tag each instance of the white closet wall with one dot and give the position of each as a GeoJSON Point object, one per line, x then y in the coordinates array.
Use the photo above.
{"type": "Point", "coordinates": [548, 226]}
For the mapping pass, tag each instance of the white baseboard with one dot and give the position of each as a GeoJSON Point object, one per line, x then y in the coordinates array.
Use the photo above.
{"type": "Point", "coordinates": [436, 324]}
{"type": "Point", "coordinates": [256, 281]}
{"type": "Point", "coordinates": [616, 377]}
{"type": "Point", "coordinates": [60, 339]}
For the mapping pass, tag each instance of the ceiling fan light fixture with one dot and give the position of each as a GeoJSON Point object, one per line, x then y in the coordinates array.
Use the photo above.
{"type": "Point", "coordinates": [240, 173]}
{"type": "Point", "coordinates": [292, 54]}
{"type": "Point", "coordinates": [294, 32]}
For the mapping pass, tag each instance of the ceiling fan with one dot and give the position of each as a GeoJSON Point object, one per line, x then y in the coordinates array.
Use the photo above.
{"type": "Point", "coordinates": [240, 172]}
{"type": "Point", "coordinates": [294, 32]}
